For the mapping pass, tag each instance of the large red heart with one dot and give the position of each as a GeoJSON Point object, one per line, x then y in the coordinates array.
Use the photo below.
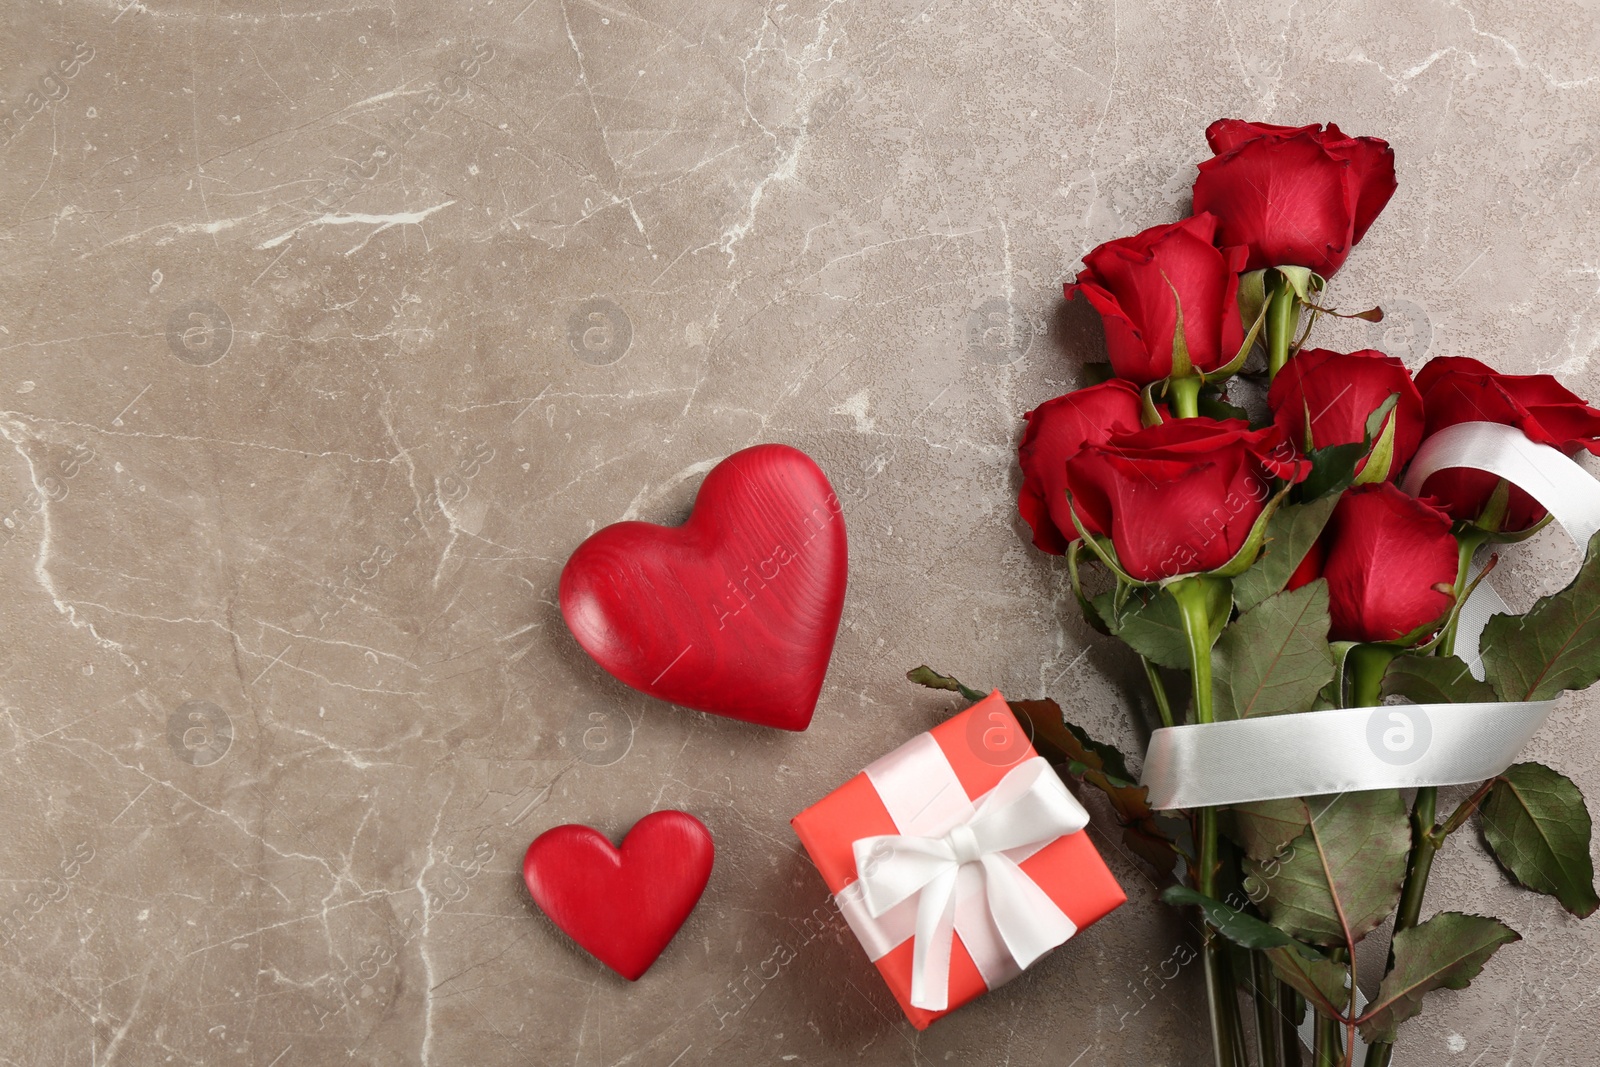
{"type": "Point", "coordinates": [622, 906]}
{"type": "Point", "coordinates": [735, 611]}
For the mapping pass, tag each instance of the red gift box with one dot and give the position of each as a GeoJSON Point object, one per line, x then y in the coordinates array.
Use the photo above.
{"type": "Point", "coordinates": [975, 750]}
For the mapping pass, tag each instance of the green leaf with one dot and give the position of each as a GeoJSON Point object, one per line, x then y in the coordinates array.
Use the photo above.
{"type": "Point", "coordinates": [1435, 680]}
{"type": "Point", "coordinates": [1301, 279]}
{"type": "Point", "coordinates": [1446, 951]}
{"type": "Point", "coordinates": [1251, 549]}
{"type": "Point", "coordinates": [1051, 733]}
{"type": "Point", "coordinates": [1242, 929]}
{"type": "Point", "coordinates": [1536, 825]}
{"type": "Point", "coordinates": [1290, 535]}
{"type": "Point", "coordinates": [1319, 980]}
{"type": "Point", "coordinates": [1149, 414]}
{"type": "Point", "coordinates": [1264, 828]}
{"type": "Point", "coordinates": [1149, 623]}
{"type": "Point", "coordinates": [1102, 546]}
{"type": "Point", "coordinates": [1275, 658]}
{"type": "Point", "coordinates": [1349, 862]}
{"type": "Point", "coordinates": [1146, 833]}
{"type": "Point", "coordinates": [1252, 301]}
{"type": "Point", "coordinates": [1252, 297]}
{"type": "Point", "coordinates": [1334, 468]}
{"type": "Point", "coordinates": [1181, 367]}
{"type": "Point", "coordinates": [927, 677]}
{"type": "Point", "coordinates": [1555, 646]}
{"type": "Point", "coordinates": [1213, 406]}
{"type": "Point", "coordinates": [1382, 458]}
{"type": "Point", "coordinates": [1332, 695]}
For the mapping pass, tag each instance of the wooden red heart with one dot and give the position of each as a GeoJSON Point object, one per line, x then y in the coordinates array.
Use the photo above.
{"type": "Point", "coordinates": [623, 906]}
{"type": "Point", "coordinates": [734, 612]}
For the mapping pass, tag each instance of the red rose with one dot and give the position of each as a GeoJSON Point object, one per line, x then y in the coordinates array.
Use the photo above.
{"type": "Point", "coordinates": [1309, 569]}
{"type": "Point", "coordinates": [1057, 429]}
{"type": "Point", "coordinates": [1180, 497]}
{"type": "Point", "coordinates": [1391, 561]}
{"type": "Point", "coordinates": [1300, 196]}
{"type": "Point", "coordinates": [1455, 389]}
{"type": "Point", "coordinates": [1137, 284]}
{"type": "Point", "coordinates": [1336, 391]}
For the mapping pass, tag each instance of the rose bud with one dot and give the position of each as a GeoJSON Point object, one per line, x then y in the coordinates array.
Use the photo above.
{"type": "Point", "coordinates": [1323, 398]}
{"type": "Point", "coordinates": [1294, 196]}
{"type": "Point", "coordinates": [1138, 284]}
{"type": "Point", "coordinates": [1456, 389]}
{"type": "Point", "coordinates": [1181, 497]}
{"type": "Point", "coordinates": [1391, 563]}
{"type": "Point", "coordinates": [1057, 429]}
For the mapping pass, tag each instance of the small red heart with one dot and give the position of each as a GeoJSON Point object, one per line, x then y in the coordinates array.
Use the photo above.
{"type": "Point", "coordinates": [623, 906]}
{"type": "Point", "coordinates": [734, 612]}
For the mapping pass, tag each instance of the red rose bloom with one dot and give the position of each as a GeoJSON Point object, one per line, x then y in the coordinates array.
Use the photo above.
{"type": "Point", "coordinates": [1056, 430]}
{"type": "Point", "coordinates": [1137, 284]}
{"type": "Point", "coordinates": [1300, 196]}
{"type": "Point", "coordinates": [1325, 398]}
{"type": "Point", "coordinates": [1456, 389]}
{"type": "Point", "coordinates": [1180, 497]}
{"type": "Point", "coordinates": [1389, 556]}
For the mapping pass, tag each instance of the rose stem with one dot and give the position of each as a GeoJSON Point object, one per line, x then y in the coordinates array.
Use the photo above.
{"type": "Point", "coordinates": [1268, 1008]}
{"type": "Point", "coordinates": [1185, 395]}
{"type": "Point", "coordinates": [1327, 1041]}
{"type": "Point", "coordinates": [1470, 541]}
{"type": "Point", "coordinates": [1163, 705]}
{"type": "Point", "coordinates": [1425, 836]}
{"type": "Point", "coordinates": [1289, 1037]}
{"type": "Point", "coordinates": [1192, 596]}
{"type": "Point", "coordinates": [1283, 315]}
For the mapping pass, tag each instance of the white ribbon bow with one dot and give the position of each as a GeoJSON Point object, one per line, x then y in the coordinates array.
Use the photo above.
{"type": "Point", "coordinates": [1028, 809]}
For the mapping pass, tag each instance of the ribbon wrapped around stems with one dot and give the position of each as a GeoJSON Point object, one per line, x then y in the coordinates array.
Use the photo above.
{"type": "Point", "coordinates": [1391, 746]}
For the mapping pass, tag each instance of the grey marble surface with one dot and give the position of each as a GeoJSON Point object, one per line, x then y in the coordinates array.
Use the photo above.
{"type": "Point", "coordinates": [326, 332]}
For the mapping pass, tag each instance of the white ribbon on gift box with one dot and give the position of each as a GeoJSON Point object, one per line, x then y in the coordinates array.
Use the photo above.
{"type": "Point", "coordinates": [953, 869]}
{"type": "Point", "coordinates": [1348, 749]}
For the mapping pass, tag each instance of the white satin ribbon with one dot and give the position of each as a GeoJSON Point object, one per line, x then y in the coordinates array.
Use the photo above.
{"type": "Point", "coordinates": [1564, 489]}
{"type": "Point", "coordinates": [954, 868]}
{"type": "Point", "coordinates": [1394, 745]}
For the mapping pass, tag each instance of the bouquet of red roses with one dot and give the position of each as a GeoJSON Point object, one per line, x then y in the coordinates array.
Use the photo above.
{"type": "Point", "coordinates": [1305, 564]}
